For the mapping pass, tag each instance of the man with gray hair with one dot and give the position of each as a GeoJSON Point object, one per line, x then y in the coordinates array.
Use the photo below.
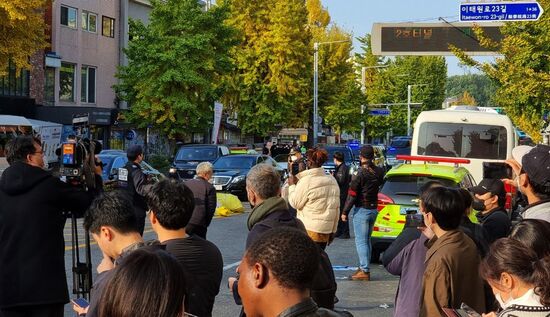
{"type": "Point", "coordinates": [205, 200]}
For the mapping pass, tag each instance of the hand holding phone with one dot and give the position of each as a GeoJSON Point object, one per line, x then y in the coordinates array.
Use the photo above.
{"type": "Point", "coordinates": [80, 302]}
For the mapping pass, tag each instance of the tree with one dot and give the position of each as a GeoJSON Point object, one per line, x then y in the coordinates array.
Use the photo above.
{"type": "Point", "coordinates": [466, 99]}
{"type": "Point", "coordinates": [22, 32]}
{"type": "Point", "coordinates": [522, 74]}
{"type": "Point", "coordinates": [481, 88]}
{"type": "Point", "coordinates": [174, 66]}
{"type": "Point", "coordinates": [270, 83]}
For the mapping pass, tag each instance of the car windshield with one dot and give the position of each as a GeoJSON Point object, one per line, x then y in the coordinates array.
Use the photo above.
{"type": "Point", "coordinates": [347, 154]}
{"type": "Point", "coordinates": [234, 162]}
{"type": "Point", "coordinates": [462, 140]}
{"type": "Point", "coordinates": [196, 154]}
{"type": "Point", "coordinates": [410, 185]}
{"type": "Point", "coordinates": [401, 143]}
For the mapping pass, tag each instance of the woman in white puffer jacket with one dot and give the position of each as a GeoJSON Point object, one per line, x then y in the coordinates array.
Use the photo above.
{"type": "Point", "coordinates": [316, 198]}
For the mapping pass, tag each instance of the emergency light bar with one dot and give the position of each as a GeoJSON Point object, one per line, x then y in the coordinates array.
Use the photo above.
{"type": "Point", "coordinates": [432, 159]}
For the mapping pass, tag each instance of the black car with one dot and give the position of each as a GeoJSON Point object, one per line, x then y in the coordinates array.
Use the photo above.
{"type": "Point", "coordinates": [230, 172]}
{"type": "Point", "coordinates": [400, 145]}
{"type": "Point", "coordinates": [189, 156]}
{"type": "Point", "coordinates": [329, 165]}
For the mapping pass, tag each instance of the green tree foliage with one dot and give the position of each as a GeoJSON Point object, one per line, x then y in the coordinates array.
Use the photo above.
{"type": "Point", "coordinates": [174, 64]}
{"type": "Point", "coordinates": [22, 32]}
{"type": "Point", "coordinates": [479, 86]}
{"type": "Point", "coordinates": [389, 85]}
{"type": "Point", "coordinates": [271, 82]}
{"type": "Point", "coordinates": [522, 73]}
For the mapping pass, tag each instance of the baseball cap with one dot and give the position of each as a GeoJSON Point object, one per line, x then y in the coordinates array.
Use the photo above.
{"type": "Point", "coordinates": [489, 185]}
{"type": "Point", "coordinates": [535, 161]}
{"type": "Point", "coordinates": [367, 152]}
{"type": "Point", "coordinates": [134, 151]}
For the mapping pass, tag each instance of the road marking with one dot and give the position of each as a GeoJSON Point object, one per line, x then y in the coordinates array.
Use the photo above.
{"type": "Point", "coordinates": [230, 266]}
{"type": "Point", "coordinates": [344, 268]}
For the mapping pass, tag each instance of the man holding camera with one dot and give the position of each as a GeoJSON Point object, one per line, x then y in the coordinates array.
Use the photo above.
{"type": "Point", "coordinates": [32, 256]}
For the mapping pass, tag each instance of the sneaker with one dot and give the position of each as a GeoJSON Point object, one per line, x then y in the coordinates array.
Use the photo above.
{"type": "Point", "coordinates": [361, 276]}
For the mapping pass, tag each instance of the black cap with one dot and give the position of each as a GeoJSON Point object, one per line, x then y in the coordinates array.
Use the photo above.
{"type": "Point", "coordinates": [367, 152]}
{"type": "Point", "coordinates": [134, 151]}
{"type": "Point", "coordinates": [535, 161]}
{"type": "Point", "coordinates": [489, 185]}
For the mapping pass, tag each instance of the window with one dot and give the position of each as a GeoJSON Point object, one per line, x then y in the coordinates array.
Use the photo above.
{"type": "Point", "coordinates": [108, 28]}
{"type": "Point", "coordinates": [49, 86]}
{"type": "Point", "coordinates": [66, 82]}
{"type": "Point", "coordinates": [68, 17]}
{"type": "Point", "coordinates": [13, 85]}
{"type": "Point", "coordinates": [462, 140]}
{"type": "Point", "coordinates": [89, 21]}
{"type": "Point", "coordinates": [87, 84]}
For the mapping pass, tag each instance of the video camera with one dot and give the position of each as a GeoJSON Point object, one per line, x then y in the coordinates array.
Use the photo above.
{"type": "Point", "coordinates": [78, 161]}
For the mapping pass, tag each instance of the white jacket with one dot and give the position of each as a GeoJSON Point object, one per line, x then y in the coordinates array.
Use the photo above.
{"type": "Point", "coordinates": [316, 198]}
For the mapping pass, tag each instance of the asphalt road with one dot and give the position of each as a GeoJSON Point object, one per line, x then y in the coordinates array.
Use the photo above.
{"type": "Point", "coordinates": [374, 298]}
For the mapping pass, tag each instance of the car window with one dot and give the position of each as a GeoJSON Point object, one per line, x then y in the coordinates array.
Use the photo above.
{"type": "Point", "coordinates": [119, 162]}
{"type": "Point", "coordinates": [409, 184]}
{"type": "Point", "coordinates": [234, 162]}
{"type": "Point", "coordinates": [462, 140]}
{"type": "Point", "coordinates": [271, 161]}
{"type": "Point", "coordinates": [196, 154]}
{"type": "Point", "coordinates": [261, 159]}
{"type": "Point", "coordinates": [401, 144]}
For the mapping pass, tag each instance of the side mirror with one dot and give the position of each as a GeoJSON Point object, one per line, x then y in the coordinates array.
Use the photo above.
{"type": "Point", "coordinates": [113, 174]}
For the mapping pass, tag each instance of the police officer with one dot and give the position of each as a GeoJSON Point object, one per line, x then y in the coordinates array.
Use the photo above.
{"type": "Point", "coordinates": [135, 182]}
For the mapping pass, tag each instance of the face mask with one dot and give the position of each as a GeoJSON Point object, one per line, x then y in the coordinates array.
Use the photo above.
{"type": "Point", "coordinates": [478, 204]}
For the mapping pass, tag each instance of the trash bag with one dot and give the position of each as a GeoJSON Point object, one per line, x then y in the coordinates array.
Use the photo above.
{"type": "Point", "coordinates": [223, 212]}
{"type": "Point", "coordinates": [230, 202]}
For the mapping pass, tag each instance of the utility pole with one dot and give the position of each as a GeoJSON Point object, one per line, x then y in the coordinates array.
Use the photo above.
{"type": "Point", "coordinates": [364, 90]}
{"type": "Point", "coordinates": [409, 96]}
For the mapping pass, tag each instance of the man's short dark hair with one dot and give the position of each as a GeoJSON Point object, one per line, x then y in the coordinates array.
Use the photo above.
{"type": "Point", "coordinates": [290, 255]}
{"type": "Point", "coordinates": [19, 147]}
{"type": "Point", "coordinates": [172, 202]}
{"type": "Point", "coordinates": [446, 205]}
{"type": "Point", "coordinates": [133, 152]}
{"type": "Point", "coordinates": [113, 209]}
{"type": "Point", "coordinates": [339, 156]}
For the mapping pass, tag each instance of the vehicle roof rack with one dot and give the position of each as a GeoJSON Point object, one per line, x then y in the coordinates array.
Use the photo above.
{"type": "Point", "coordinates": [428, 159]}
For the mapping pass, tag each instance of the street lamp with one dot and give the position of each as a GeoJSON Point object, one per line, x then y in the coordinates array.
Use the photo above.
{"type": "Point", "coordinates": [409, 88]}
{"type": "Point", "coordinates": [364, 90]}
{"type": "Point", "coordinates": [316, 85]}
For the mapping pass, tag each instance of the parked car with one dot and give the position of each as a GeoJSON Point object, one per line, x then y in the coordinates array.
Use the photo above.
{"type": "Point", "coordinates": [115, 159]}
{"type": "Point", "coordinates": [400, 192]}
{"type": "Point", "coordinates": [230, 172]}
{"type": "Point", "coordinates": [400, 145]}
{"type": "Point", "coordinates": [349, 159]}
{"type": "Point", "coordinates": [190, 155]}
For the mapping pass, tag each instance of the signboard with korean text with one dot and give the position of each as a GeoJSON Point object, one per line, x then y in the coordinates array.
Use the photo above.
{"type": "Point", "coordinates": [379, 112]}
{"type": "Point", "coordinates": [500, 11]}
{"type": "Point", "coordinates": [396, 39]}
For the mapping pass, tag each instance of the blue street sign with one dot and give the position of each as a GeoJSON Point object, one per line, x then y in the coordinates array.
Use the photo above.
{"type": "Point", "coordinates": [500, 11]}
{"type": "Point", "coordinates": [379, 112]}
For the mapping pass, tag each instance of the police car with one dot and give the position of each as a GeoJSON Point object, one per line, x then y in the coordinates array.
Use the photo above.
{"type": "Point", "coordinates": [400, 192]}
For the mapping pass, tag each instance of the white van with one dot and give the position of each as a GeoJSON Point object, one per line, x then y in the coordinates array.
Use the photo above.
{"type": "Point", "coordinates": [10, 127]}
{"type": "Point", "coordinates": [464, 132]}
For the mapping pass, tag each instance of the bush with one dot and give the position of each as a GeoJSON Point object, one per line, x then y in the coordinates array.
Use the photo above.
{"type": "Point", "coordinates": [160, 162]}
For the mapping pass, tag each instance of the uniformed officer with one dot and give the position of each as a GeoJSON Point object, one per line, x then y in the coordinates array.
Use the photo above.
{"type": "Point", "coordinates": [136, 183]}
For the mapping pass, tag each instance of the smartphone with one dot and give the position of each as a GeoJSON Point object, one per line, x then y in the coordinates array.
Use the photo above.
{"type": "Point", "coordinates": [414, 220]}
{"type": "Point", "coordinates": [498, 170]}
{"type": "Point", "coordinates": [69, 153]}
{"type": "Point", "coordinates": [80, 302]}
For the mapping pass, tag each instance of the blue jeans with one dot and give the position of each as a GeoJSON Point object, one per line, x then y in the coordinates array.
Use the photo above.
{"type": "Point", "coordinates": [363, 222]}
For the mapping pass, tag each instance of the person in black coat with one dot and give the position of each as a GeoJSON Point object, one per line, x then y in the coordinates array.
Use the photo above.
{"type": "Point", "coordinates": [490, 198]}
{"type": "Point", "coordinates": [205, 200]}
{"type": "Point", "coordinates": [343, 178]}
{"type": "Point", "coordinates": [136, 184]}
{"type": "Point", "coordinates": [33, 281]}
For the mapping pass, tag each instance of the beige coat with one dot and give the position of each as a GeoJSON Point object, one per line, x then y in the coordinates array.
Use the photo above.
{"type": "Point", "coordinates": [316, 198]}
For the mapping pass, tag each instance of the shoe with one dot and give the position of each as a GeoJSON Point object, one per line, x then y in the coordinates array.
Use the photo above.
{"type": "Point", "coordinates": [361, 276]}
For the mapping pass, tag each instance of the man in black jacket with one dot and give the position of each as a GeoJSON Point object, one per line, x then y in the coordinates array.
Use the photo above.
{"type": "Point", "coordinates": [343, 178]}
{"type": "Point", "coordinates": [363, 195]}
{"type": "Point", "coordinates": [135, 182]}
{"type": "Point", "coordinates": [269, 211]}
{"type": "Point", "coordinates": [490, 198]}
{"type": "Point", "coordinates": [32, 256]}
{"type": "Point", "coordinates": [205, 200]}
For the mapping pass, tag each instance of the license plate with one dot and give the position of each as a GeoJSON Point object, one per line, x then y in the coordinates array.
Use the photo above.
{"type": "Point", "coordinates": [403, 210]}
{"type": "Point", "coordinates": [218, 187]}
{"type": "Point", "coordinates": [123, 174]}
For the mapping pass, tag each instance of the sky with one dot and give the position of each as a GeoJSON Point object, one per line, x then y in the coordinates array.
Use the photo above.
{"type": "Point", "coordinates": [357, 17]}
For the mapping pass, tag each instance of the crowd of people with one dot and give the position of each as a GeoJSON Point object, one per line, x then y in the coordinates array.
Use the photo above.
{"type": "Point", "coordinates": [445, 262]}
